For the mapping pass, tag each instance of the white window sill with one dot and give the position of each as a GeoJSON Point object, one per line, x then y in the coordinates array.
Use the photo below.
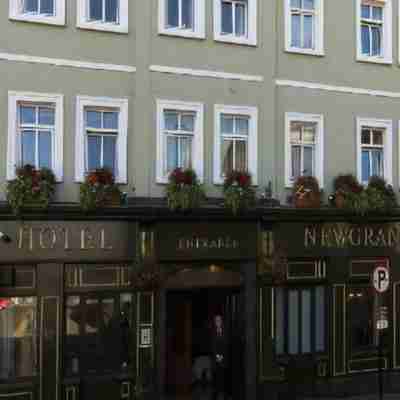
{"type": "Point", "coordinates": [186, 33]}
{"type": "Point", "coordinates": [375, 60]}
{"type": "Point", "coordinates": [309, 52]}
{"type": "Point", "coordinates": [103, 26]}
{"type": "Point", "coordinates": [235, 40]}
{"type": "Point", "coordinates": [39, 19]}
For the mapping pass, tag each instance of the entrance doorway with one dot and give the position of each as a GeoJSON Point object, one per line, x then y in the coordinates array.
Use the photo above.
{"type": "Point", "coordinates": [190, 362]}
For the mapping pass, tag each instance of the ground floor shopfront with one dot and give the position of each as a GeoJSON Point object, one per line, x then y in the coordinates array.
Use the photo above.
{"type": "Point", "coordinates": [119, 305]}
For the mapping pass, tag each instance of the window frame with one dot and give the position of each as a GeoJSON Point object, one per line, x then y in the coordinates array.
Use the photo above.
{"type": "Point", "coordinates": [57, 19]}
{"type": "Point", "coordinates": [13, 145]}
{"type": "Point", "coordinates": [318, 49]}
{"type": "Point", "coordinates": [387, 51]}
{"type": "Point", "coordinates": [387, 126]}
{"type": "Point", "coordinates": [251, 25]}
{"type": "Point", "coordinates": [197, 141]}
{"type": "Point", "coordinates": [318, 119]}
{"type": "Point", "coordinates": [252, 150]}
{"type": "Point", "coordinates": [199, 29]}
{"type": "Point", "coordinates": [83, 102]}
{"type": "Point", "coordinates": [83, 21]}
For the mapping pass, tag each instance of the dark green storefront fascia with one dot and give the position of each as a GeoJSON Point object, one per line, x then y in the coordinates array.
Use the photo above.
{"type": "Point", "coordinates": [272, 240]}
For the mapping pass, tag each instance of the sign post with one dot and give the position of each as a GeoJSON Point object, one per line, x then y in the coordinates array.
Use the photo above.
{"type": "Point", "coordinates": [381, 282]}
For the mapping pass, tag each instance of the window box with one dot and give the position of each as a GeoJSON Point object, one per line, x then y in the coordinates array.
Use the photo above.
{"type": "Point", "coordinates": [103, 15]}
{"type": "Point", "coordinates": [51, 12]}
{"type": "Point", "coordinates": [235, 21]}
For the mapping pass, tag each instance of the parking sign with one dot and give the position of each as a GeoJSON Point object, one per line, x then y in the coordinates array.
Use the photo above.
{"type": "Point", "coordinates": [380, 278]}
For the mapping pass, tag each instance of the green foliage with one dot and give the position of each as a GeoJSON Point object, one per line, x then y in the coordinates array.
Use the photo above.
{"type": "Point", "coordinates": [98, 188]}
{"type": "Point", "coordinates": [183, 191]}
{"type": "Point", "coordinates": [238, 192]}
{"type": "Point", "coordinates": [30, 186]}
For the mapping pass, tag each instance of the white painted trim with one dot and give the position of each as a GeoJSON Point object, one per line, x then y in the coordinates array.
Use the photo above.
{"type": "Point", "coordinates": [252, 156]}
{"type": "Point", "coordinates": [83, 22]}
{"type": "Point", "coordinates": [386, 124]}
{"type": "Point", "coordinates": [338, 89]}
{"type": "Point", "coordinates": [80, 136]}
{"type": "Point", "coordinates": [16, 14]}
{"type": "Point", "coordinates": [319, 31]}
{"type": "Point", "coordinates": [387, 57]}
{"type": "Point", "coordinates": [198, 141]}
{"type": "Point", "coordinates": [319, 146]}
{"type": "Point", "coordinates": [251, 39]}
{"type": "Point", "coordinates": [60, 62]}
{"type": "Point", "coordinates": [13, 145]}
{"type": "Point", "coordinates": [199, 31]}
{"type": "Point", "coordinates": [205, 73]}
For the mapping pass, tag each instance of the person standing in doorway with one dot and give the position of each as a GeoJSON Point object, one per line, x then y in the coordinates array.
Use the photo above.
{"type": "Point", "coordinates": [219, 345]}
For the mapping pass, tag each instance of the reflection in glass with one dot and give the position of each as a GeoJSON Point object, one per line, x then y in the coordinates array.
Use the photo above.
{"type": "Point", "coordinates": [18, 337]}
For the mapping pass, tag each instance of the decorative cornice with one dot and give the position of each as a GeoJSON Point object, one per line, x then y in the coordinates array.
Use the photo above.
{"type": "Point", "coordinates": [337, 89]}
{"type": "Point", "coordinates": [205, 73]}
{"type": "Point", "coordinates": [60, 62]}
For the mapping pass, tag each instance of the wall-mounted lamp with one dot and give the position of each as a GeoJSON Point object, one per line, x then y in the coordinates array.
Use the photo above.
{"type": "Point", "coordinates": [5, 238]}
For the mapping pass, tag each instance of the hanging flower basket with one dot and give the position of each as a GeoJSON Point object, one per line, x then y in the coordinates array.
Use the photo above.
{"type": "Point", "coordinates": [31, 188]}
{"type": "Point", "coordinates": [306, 192]}
{"type": "Point", "coordinates": [183, 191]}
{"type": "Point", "coordinates": [99, 190]}
{"type": "Point", "coordinates": [238, 192]}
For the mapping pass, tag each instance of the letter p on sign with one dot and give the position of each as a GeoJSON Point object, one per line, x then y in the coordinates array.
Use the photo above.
{"type": "Point", "coordinates": [380, 278]}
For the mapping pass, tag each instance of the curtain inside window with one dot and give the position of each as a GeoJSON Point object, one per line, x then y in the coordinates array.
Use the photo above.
{"type": "Point", "coordinates": [45, 149]}
{"type": "Point", "coordinates": [96, 10]}
{"type": "Point", "coordinates": [365, 40]}
{"type": "Point", "coordinates": [186, 152]}
{"type": "Point", "coordinates": [172, 153]}
{"type": "Point", "coordinates": [226, 16]}
{"type": "Point", "coordinates": [94, 152]}
{"type": "Point", "coordinates": [308, 27]}
{"type": "Point", "coordinates": [377, 162]}
{"type": "Point", "coordinates": [240, 19]}
{"type": "Point", "coordinates": [187, 14]}
{"type": "Point", "coordinates": [308, 161]}
{"type": "Point", "coordinates": [376, 40]}
{"type": "Point", "coordinates": [172, 13]}
{"type": "Point", "coordinates": [296, 30]}
{"type": "Point", "coordinates": [227, 156]}
{"type": "Point", "coordinates": [112, 11]}
{"type": "Point", "coordinates": [109, 152]}
{"type": "Point", "coordinates": [296, 161]}
{"type": "Point", "coordinates": [28, 147]}
{"type": "Point", "coordinates": [241, 155]}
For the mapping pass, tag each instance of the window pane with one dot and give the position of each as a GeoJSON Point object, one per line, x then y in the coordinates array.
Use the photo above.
{"type": "Point", "coordinates": [96, 10]}
{"type": "Point", "coordinates": [293, 322]}
{"type": "Point", "coordinates": [280, 321]}
{"type": "Point", "coordinates": [227, 156]}
{"type": "Point", "coordinates": [46, 116]}
{"type": "Point", "coordinates": [377, 162]}
{"type": "Point", "coordinates": [187, 122]}
{"type": "Point", "coordinates": [109, 152]}
{"type": "Point", "coordinates": [172, 153]}
{"type": "Point", "coordinates": [186, 152]}
{"type": "Point", "coordinates": [93, 119]}
{"type": "Point", "coordinates": [226, 124]}
{"type": "Point", "coordinates": [309, 133]}
{"type": "Point", "coordinates": [296, 30]}
{"type": "Point", "coordinates": [365, 10]}
{"type": "Point", "coordinates": [27, 115]}
{"type": "Point", "coordinates": [306, 321]}
{"type": "Point", "coordinates": [226, 15]}
{"type": "Point", "coordinates": [107, 312]}
{"type": "Point", "coordinates": [365, 136]}
{"type": "Point", "coordinates": [18, 350]}
{"type": "Point", "coordinates": [241, 155]}
{"type": "Point", "coordinates": [365, 173]}
{"type": "Point", "coordinates": [308, 31]}
{"type": "Point", "coordinates": [377, 13]}
{"type": "Point", "coordinates": [296, 161]}
{"type": "Point", "coordinates": [187, 14]}
{"type": "Point", "coordinates": [242, 126]}
{"type": "Point", "coordinates": [92, 317]}
{"type": "Point", "coordinates": [365, 41]}
{"type": "Point", "coordinates": [172, 13]}
{"type": "Point", "coordinates": [240, 20]}
{"type": "Point", "coordinates": [319, 319]}
{"type": "Point", "coordinates": [110, 120]}
{"type": "Point", "coordinates": [94, 152]}
{"type": "Point", "coordinates": [295, 3]}
{"type": "Point", "coordinates": [378, 138]}
{"type": "Point", "coordinates": [28, 148]}
{"type": "Point", "coordinates": [45, 149]}
{"type": "Point", "coordinates": [308, 4]}
{"type": "Point", "coordinates": [295, 132]}
{"type": "Point", "coordinates": [73, 320]}
{"type": "Point", "coordinates": [31, 6]}
{"type": "Point", "coordinates": [47, 7]}
{"type": "Point", "coordinates": [308, 154]}
{"type": "Point", "coordinates": [376, 41]}
{"type": "Point", "coordinates": [171, 121]}
{"type": "Point", "coordinates": [112, 10]}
